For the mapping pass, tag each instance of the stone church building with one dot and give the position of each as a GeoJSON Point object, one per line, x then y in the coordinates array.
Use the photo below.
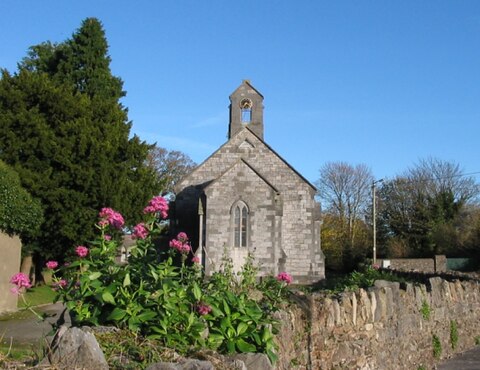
{"type": "Point", "coordinates": [247, 198]}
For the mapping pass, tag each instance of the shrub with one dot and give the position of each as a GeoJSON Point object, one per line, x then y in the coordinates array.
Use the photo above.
{"type": "Point", "coordinates": [165, 302]}
{"type": "Point", "coordinates": [19, 213]}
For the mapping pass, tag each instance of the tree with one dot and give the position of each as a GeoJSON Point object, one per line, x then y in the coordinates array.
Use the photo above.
{"type": "Point", "coordinates": [345, 193]}
{"type": "Point", "coordinates": [64, 130]}
{"type": "Point", "coordinates": [20, 214]}
{"type": "Point", "coordinates": [170, 166]}
{"type": "Point", "coordinates": [420, 208]}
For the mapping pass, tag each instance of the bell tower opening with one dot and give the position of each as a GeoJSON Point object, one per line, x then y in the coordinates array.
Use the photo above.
{"type": "Point", "coordinates": [246, 110]}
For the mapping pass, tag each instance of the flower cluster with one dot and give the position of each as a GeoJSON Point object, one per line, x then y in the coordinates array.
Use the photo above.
{"type": "Point", "coordinates": [81, 251]}
{"type": "Point", "coordinates": [203, 309]}
{"type": "Point", "coordinates": [140, 231]}
{"type": "Point", "coordinates": [285, 277]}
{"type": "Point", "coordinates": [110, 217]}
{"type": "Point", "coordinates": [183, 248]}
{"type": "Point", "coordinates": [196, 259]}
{"type": "Point", "coordinates": [157, 205]}
{"type": "Point", "coordinates": [51, 265]}
{"type": "Point", "coordinates": [60, 284]}
{"type": "Point", "coordinates": [20, 280]}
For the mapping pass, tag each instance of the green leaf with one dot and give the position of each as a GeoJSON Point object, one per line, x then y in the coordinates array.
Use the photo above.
{"type": "Point", "coordinates": [94, 275]}
{"type": "Point", "coordinates": [272, 356]}
{"type": "Point", "coordinates": [231, 346]}
{"type": "Point", "coordinates": [108, 297]}
{"type": "Point", "coordinates": [117, 314]}
{"type": "Point", "coordinates": [146, 316]}
{"type": "Point", "coordinates": [226, 308]}
{"type": "Point", "coordinates": [245, 347]}
{"type": "Point", "coordinates": [126, 280]}
{"type": "Point", "coordinates": [197, 293]}
{"type": "Point", "coordinates": [241, 328]}
{"type": "Point", "coordinates": [266, 334]}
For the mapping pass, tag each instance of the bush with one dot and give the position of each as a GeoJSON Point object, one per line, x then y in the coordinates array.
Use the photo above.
{"type": "Point", "coordinates": [169, 303]}
{"type": "Point", "coordinates": [20, 214]}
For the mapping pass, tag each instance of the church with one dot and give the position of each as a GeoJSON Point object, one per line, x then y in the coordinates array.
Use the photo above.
{"type": "Point", "coordinates": [245, 198]}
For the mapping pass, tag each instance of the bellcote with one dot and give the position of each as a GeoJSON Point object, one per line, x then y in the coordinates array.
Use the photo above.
{"type": "Point", "coordinates": [246, 110]}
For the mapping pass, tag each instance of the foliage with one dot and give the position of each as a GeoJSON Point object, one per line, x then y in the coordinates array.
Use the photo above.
{"type": "Point", "coordinates": [345, 193]}
{"type": "Point", "coordinates": [453, 334]}
{"type": "Point", "coordinates": [340, 255]}
{"type": "Point", "coordinates": [437, 346]}
{"type": "Point", "coordinates": [19, 212]}
{"type": "Point", "coordinates": [161, 301]}
{"type": "Point", "coordinates": [363, 278]}
{"type": "Point", "coordinates": [65, 132]}
{"type": "Point", "coordinates": [428, 210]}
{"type": "Point", "coordinates": [477, 340]}
{"type": "Point", "coordinates": [426, 310]}
{"type": "Point", "coordinates": [170, 166]}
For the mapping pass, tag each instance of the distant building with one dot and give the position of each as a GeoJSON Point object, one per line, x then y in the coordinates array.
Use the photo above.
{"type": "Point", "coordinates": [246, 198]}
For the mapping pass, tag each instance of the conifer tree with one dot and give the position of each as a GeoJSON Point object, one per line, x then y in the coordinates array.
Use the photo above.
{"type": "Point", "coordinates": [65, 131]}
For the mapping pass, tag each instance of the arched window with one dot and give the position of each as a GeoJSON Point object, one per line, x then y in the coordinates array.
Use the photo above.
{"type": "Point", "coordinates": [240, 225]}
{"type": "Point", "coordinates": [246, 107]}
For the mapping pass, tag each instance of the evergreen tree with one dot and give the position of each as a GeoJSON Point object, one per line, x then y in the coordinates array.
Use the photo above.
{"type": "Point", "coordinates": [64, 129]}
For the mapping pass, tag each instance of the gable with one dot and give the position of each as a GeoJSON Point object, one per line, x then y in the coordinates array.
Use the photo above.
{"type": "Point", "coordinates": [249, 147]}
{"type": "Point", "coordinates": [240, 171]}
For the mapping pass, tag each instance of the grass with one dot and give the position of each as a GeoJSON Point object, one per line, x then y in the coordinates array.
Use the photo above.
{"type": "Point", "coordinates": [42, 294]}
{"type": "Point", "coordinates": [17, 356]}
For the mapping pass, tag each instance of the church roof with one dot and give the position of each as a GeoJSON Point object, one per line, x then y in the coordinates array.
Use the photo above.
{"type": "Point", "coordinates": [249, 85]}
{"type": "Point", "coordinates": [283, 160]}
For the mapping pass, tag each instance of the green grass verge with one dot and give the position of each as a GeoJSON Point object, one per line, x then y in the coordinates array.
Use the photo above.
{"type": "Point", "coordinates": [42, 294]}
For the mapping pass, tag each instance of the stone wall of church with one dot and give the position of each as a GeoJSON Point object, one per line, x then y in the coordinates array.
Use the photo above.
{"type": "Point", "coordinates": [260, 199]}
{"type": "Point", "coordinates": [298, 248]}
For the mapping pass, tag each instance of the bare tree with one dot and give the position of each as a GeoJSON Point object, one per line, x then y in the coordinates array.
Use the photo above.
{"type": "Point", "coordinates": [345, 191]}
{"type": "Point", "coordinates": [424, 206]}
{"type": "Point", "coordinates": [170, 165]}
{"type": "Point", "coordinates": [434, 176]}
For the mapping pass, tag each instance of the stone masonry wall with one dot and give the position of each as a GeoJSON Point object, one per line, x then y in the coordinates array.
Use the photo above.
{"type": "Point", "coordinates": [386, 327]}
{"type": "Point", "coordinates": [435, 264]}
{"type": "Point", "coordinates": [10, 250]}
{"type": "Point", "coordinates": [298, 237]}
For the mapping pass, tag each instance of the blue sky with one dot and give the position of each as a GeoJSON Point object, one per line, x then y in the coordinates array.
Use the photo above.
{"type": "Point", "coordinates": [383, 83]}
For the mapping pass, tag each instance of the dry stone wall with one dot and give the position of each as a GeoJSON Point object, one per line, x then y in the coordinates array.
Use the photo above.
{"type": "Point", "coordinates": [386, 327]}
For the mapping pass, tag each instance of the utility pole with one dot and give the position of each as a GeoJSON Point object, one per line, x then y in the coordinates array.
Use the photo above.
{"type": "Point", "coordinates": [374, 217]}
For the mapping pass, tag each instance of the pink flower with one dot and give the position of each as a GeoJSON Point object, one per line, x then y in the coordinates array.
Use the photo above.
{"type": "Point", "coordinates": [20, 280]}
{"type": "Point", "coordinates": [182, 237]}
{"type": "Point", "coordinates": [196, 259]}
{"type": "Point", "coordinates": [203, 309]}
{"type": "Point", "coordinates": [111, 217]}
{"type": "Point", "coordinates": [376, 267]}
{"type": "Point", "coordinates": [140, 231]}
{"type": "Point", "coordinates": [51, 265]}
{"type": "Point", "coordinates": [107, 237]}
{"type": "Point", "coordinates": [181, 247]}
{"type": "Point", "coordinates": [157, 205]}
{"type": "Point", "coordinates": [60, 284]}
{"type": "Point", "coordinates": [81, 251]}
{"type": "Point", "coordinates": [286, 277]}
